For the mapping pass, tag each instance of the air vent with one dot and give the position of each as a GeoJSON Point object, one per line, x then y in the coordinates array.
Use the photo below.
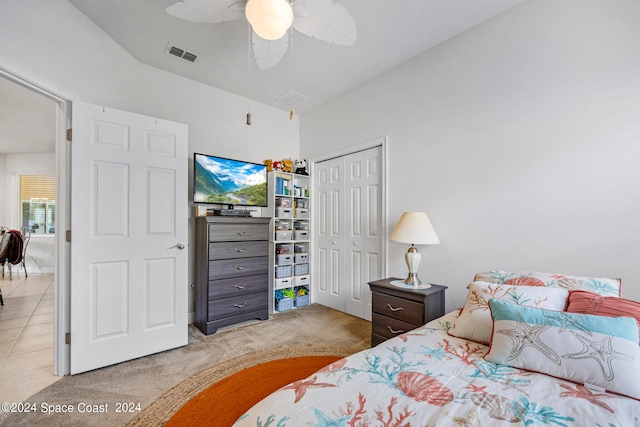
{"type": "Point", "coordinates": [180, 52]}
{"type": "Point", "coordinates": [290, 97]}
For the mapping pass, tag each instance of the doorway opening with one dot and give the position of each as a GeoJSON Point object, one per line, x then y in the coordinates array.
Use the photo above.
{"type": "Point", "coordinates": [47, 252]}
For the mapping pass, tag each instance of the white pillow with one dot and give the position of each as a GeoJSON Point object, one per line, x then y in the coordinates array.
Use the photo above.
{"type": "Point", "coordinates": [592, 350]}
{"type": "Point", "coordinates": [475, 322]}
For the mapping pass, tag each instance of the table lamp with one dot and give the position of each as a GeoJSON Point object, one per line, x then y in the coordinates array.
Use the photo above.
{"type": "Point", "coordinates": [416, 229]}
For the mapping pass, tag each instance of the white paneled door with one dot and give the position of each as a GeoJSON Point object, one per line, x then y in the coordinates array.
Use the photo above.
{"type": "Point", "coordinates": [349, 240]}
{"type": "Point", "coordinates": [329, 226]}
{"type": "Point", "coordinates": [129, 285]}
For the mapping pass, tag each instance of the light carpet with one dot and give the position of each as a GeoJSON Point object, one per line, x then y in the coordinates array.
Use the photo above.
{"type": "Point", "coordinates": [144, 380]}
{"type": "Point", "coordinates": [219, 395]}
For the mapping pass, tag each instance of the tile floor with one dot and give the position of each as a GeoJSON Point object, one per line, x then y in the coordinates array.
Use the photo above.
{"type": "Point", "coordinates": [26, 335]}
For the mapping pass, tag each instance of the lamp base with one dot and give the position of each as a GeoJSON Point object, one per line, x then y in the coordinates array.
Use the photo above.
{"type": "Point", "coordinates": [404, 284]}
{"type": "Point", "coordinates": [412, 257]}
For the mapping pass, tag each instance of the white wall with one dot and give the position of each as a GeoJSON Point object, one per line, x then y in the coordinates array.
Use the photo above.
{"type": "Point", "coordinates": [56, 42]}
{"type": "Point", "coordinates": [520, 139]}
{"type": "Point", "coordinates": [40, 250]}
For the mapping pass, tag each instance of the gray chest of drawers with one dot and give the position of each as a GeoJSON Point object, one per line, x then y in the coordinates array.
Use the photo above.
{"type": "Point", "coordinates": [232, 271]}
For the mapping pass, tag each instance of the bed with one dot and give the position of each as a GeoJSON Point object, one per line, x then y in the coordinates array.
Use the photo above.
{"type": "Point", "coordinates": [576, 366]}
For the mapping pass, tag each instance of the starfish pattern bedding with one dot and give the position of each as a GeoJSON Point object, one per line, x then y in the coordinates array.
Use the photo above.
{"type": "Point", "coordinates": [428, 378]}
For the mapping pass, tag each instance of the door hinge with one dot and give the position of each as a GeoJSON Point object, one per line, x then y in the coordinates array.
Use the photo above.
{"type": "Point", "coordinates": [68, 236]}
{"type": "Point", "coordinates": [69, 134]}
{"type": "Point", "coordinates": [67, 338]}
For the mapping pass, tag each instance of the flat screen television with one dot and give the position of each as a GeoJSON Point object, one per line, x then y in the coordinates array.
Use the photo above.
{"type": "Point", "coordinates": [218, 180]}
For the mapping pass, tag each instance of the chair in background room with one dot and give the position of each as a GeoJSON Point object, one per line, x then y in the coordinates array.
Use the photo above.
{"type": "Point", "coordinates": [26, 236]}
{"type": "Point", "coordinates": [14, 243]}
{"type": "Point", "coordinates": [4, 245]}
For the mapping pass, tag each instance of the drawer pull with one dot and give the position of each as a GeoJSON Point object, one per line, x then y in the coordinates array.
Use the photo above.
{"type": "Point", "coordinates": [241, 233]}
{"type": "Point", "coordinates": [240, 305]}
{"type": "Point", "coordinates": [400, 331]}
{"type": "Point", "coordinates": [240, 267]}
{"type": "Point", "coordinates": [241, 286]}
{"type": "Point", "coordinates": [393, 308]}
{"type": "Point", "coordinates": [240, 250]}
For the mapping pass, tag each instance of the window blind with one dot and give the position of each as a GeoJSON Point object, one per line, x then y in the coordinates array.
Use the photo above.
{"type": "Point", "coordinates": [37, 187]}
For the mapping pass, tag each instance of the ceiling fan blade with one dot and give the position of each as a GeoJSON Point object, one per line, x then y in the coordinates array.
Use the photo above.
{"type": "Point", "coordinates": [324, 20]}
{"type": "Point", "coordinates": [268, 53]}
{"type": "Point", "coordinates": [208, 11]}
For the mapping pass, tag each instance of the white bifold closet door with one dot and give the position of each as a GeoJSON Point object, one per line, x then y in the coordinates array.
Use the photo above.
{"type": "Point", "coordinates": [348, 223]}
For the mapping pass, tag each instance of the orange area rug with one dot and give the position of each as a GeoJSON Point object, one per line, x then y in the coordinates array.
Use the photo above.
{"type": "Point", "coordinates": [223, 393]}
{"type": "Point", "coordinates": [224, 402]}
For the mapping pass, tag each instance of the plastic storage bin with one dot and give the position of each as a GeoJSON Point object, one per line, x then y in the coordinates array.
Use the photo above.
{"type": "Point", "coordinates": [284, 304]}
{"type": "Point", "coordinates": [300, 269]}
{"type": "Point", "coordinates": [302, 213]}
{"type": "Point", "coordinates": [302, 280]}
{"type": "Point", "coordinates": [301, 258]}
{"type": "Point", "coordinates": [283, 203]}
{"type": "Point", "coordinates": [301, 300]}
{"type": "Point", "coordinates": [283, 235]}
{"type": "Point", "coordinates": [284, 213]}
{"type": "Point", "coordinates": [284, 249]}
{"type": "Point", "coordinates": [284, 259]}
{"type": "Point", "coordinates": [283, 283]}
{"type": "Point", "coordinates": [284, 270]}
{"type": "Point", "coordinates": [299, 248]}
{"type": "Point", "coordinates": [302, 225]}
{"type": "Point", "coordinates": [301, 235]}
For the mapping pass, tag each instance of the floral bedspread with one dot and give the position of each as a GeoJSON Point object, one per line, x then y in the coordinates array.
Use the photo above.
{"type": "Point", "coordinates": [429, 378]}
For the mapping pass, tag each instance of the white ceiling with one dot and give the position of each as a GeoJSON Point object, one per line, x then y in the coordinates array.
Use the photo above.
{"type": "Point", "coordinates": [27, 120]}
{"type": "Point", "coordinates": [389, 32]}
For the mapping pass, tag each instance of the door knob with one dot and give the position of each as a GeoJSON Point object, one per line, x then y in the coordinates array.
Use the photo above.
{"type": "Point", "coordinates": [333, 242]}
{"type": "Point", "coordinates": [179, 246]}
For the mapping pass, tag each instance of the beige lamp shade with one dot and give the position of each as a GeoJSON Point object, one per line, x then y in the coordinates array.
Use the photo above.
{"type": "Point", "coordinates": [270, 19]}
{"type": "Point", "coordinates": [416, 229]}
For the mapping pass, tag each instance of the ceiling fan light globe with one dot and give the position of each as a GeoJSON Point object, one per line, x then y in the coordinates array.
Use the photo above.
{"type": "Point", "coordinates": [270, 19]}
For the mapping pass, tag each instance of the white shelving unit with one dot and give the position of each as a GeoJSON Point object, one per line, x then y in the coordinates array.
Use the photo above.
{"type": "Point", "coordinates": [289, 206]}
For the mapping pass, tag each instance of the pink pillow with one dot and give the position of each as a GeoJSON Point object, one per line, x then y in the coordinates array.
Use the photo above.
{"type": "Point", "coordinates": [585, 302]}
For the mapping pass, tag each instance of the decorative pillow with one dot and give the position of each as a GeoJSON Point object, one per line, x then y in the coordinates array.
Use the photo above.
{"type": "Point", "coordinates": [474, 322]}
{"type": "Point", "coordinates": [592, 350]}
{"type": "Point", "coordinates": [610, 287]}
{"type": "Point", "coordinates": [589, 303]}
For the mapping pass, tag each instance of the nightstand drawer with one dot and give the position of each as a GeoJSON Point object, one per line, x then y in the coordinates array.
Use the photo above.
{"type": "Point", "coordinates": [398, 308]}
{"type": "Point", "coordinates": [389, 327]}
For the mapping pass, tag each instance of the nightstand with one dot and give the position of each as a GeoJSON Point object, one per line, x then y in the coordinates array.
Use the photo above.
{"type": "Point", "coordinates": [398, 310]}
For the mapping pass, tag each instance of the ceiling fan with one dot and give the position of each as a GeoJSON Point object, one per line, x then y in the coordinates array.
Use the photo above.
{"type": "Point", "coordinates": [271, 19]}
